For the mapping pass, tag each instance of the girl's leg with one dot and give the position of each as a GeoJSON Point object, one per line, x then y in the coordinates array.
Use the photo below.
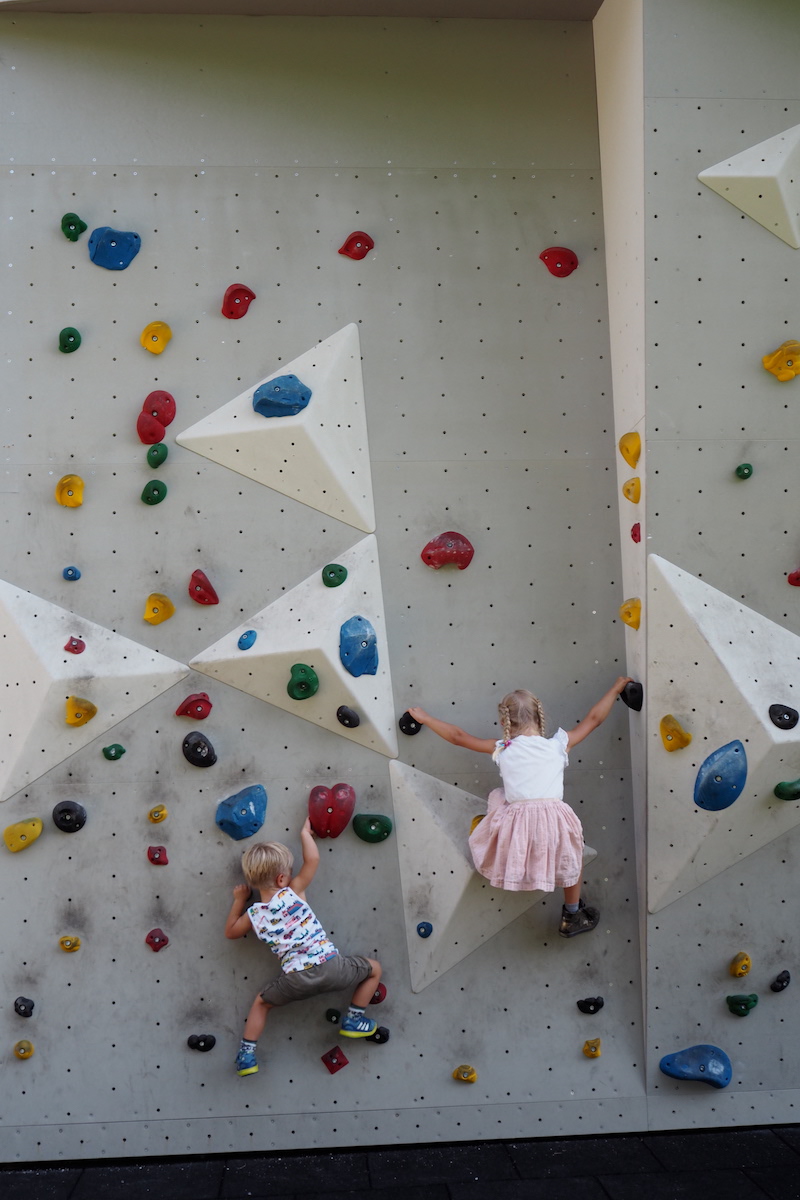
{"type": "Point", "coordinates": [256, 1019]}
{"type": "Point", "coordinates": [572, 894]}
{"type": "Point", "coordinates": [366, 989]}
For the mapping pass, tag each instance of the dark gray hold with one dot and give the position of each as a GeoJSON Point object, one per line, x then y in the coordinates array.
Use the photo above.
{"type": "Point", "coordinates": [381, 1035]}
{"type": "Point", "coordinates": [783, 716]}
{"type": "Point", "coordinates": [69, 816]}
{"type": "Point", "coordinates": [591, 1004]}
{"type": "Point", "coordinates": [23, 1007]}
{"type": "Point", "coordinates": [201, 1041]}
{"type": "Point", "coordinates": [633, 695]}
{"type": "Point", "coordinates": [197, 750]}
{"type": "Point", "coordinates": [783, 981]}
{"type": "Point", "coordinates": [347, 717]}
{"type": "Point", "coordinates": [408, 725]}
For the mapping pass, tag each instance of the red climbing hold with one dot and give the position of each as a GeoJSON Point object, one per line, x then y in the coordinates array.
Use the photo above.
{"type": "Point", "coordinates": [636, 532]}
{"type": "Point", "coordinates": [447, 548]}
{"type": "Point", "coordinates": [157, 940]}
{"type": "Point", "coordinates": [335, 1059]}
{"type": "Point", "coordinates": [197, 706]}
{"type": "Point", "coordinates": [158, 857]}
{"type": "Point", "coordinates": [559, 260]}
{"type": "Point", "coordinates": [75, 646]}
{"type": "Point", "coordinates": [201, 590]}
{"type": "Point", "coordinates": [330, 809]}
{"type": "Point", "coordinates": [794, 579]}
{"type": "Point", "coordinates": [149, 428]}
{"type": "Point", "coordinates": [358, 245]}
{"type": "Point", "coordinates": [236, 301]}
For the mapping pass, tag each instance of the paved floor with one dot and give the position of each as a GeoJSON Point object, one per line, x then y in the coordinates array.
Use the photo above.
{"type": "Point", "coordinates": [737, 1164]}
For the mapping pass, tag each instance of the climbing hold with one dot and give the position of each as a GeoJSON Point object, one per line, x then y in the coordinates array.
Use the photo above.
{"type": "Point", "coordinates": [782, 981]}
{"type": "Point", "coordinates": [475, 822]}
{"type": "Point", "coordinates": [632, 490]}
{"type": "Point", "coordinates": [157, 855]}
{"type": "Point", "coordinates": [740, 1006]}
{"type": "Point", "coordinates": [160, 405]}
{"type": "Point", "coordinates": [449, 547]}
{"type": "Point", "coordinates": [71, 574]}
{"type": "Point", "coordinates": [794, 578]}
{"type": "Point", "coordinates": [333, 574]}
{"type": "Point", "coordinates": [78, 711]}
{"type": "Point", "coordinates": [157, 454]}
{"type": "Point", "coordinates": [69, 491]}
{"type": "Point", "coordinates": [424, 929]}
{"type": "Point", "coordinates": [20, 835]}
{"type": "Point", "coordinates": [408, 725]}
{"type": "Point", "coordinates": [197, 705]}
{"type": "Point", "coordinates": [75, 646]}
{"type": "Point", "coordinates": [630, 611]}
{"type": "Point", "coordinates": [201, 1041]}
{"type": "Point", "coordinates": [113, 752]}
{"type": "Point", "coordinates": [197, 750]}
{"type": "Point", "coordinates": [23, 1007]}
{"type": "Point", "coordinates": [744, 470]}
{"type": "Point", "coordinates": [70, 943]}
{"type": "Point", "coordinates": [740, 965]}
{"type": "Point", "coordinates": [703, 1063]}
{"type": "Point", "coordinates": [150, 430]}
{"type": "Point", "coordinates": [673, 735]}
{"type": "Point", "coordinates": [242, 815]}
{"type": "Point", "coordinates": [630, 447]}
{"type": "Point", "coordinates": [157, 608]}
{"type": "Point", "coordinates": [330, 809]}
{"type": "Point", "coordinates": [200, 589]}
{"type": "Point", "coordinates": [154, 337]}
{"type": "Point", "coordinates": [23, 1049]}
{"type": "Point", "coordinates": [372, 827]}
{"type": "Point", "coordinates": [465, 1074]}
{"type": "Point", "coordinates": [113, 249]}
{"type": "Point", "coordinates": [333, 1015]}
{"type": "Point", "coordinates": [237, 300]}
{"type": "Point", "coordinates": [633, 695]}
{"type": "Point", "coordinates": [381, 1035]}
{"type": "Point", "coordinates": [721, 777]}
{"type": "Point", "coordinates": [559, 261]}
{"type": "Point", "coordinates": [154, 492]}
{"type": "Point", "coordinates": [303, 682]}
{"type": "Point", "coordinates": [158, 813]}
{"type": "Point", "coordinates": [247, 639]}
{"type": "Point", "coordinates": [783, 363]}
{"type": "Point", "coordinates": [636, 533]}
{"type": "Point", "coordinates": [284, 396]}
{"type": "Point", "coordinates": [357, 246]}
{"type": "Point", "coordinates": [591, 1004]}
{"type": "Point", "coordinates": [379, 994]}
{"type": "Point", "coordinates": [157, 940]}
{"type": "Point", "coordinates": [593, 1048]}
{"type": "Point", "coordinates": [335, 1059]}
{"type": "Point", "coordinates": [347, 717]}
{"type": "Point", "coordinates": [68, 340]}
{"type": "Point", "coordinates": [783, 716]}
{"type": "Point", "coordinates": [358, 647]}
{"type": "Point", "coordinates": [69, 816]}
{"type": "Point", "coordinates": [72, 226]}
{"type": "Point", "coordinates": [788, 791]}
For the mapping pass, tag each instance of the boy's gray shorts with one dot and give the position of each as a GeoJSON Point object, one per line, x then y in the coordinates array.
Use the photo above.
{"type": "Point", "coordinates": [334, 975]}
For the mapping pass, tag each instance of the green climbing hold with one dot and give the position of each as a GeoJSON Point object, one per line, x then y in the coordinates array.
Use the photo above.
{"type": "Point", "coordinates": [740, 1006]}
{"type": "Point", "coordinates": [372, 827]}
{"type": "Point", "coordinates": [788, 791]}
{"type": "Point", "coordinates": [157, 454]}
{"type": "Point", "coordinates": [154, 493]}
{"type": "Point", "coordinates": [334, 574]}
{"type": "Point", "coordinates": [303, 683]}
{"type": "Point", "coordinates": [68, 340]}
{"type": "Point", "coordinates": [113, 752]}
{"type": "Point", "coordinates": [72, 226]}
{"type": "Point", "coordinates": [744, 470]}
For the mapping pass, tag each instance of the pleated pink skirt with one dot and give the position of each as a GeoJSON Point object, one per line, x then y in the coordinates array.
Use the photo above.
{"type": "Point", "coordinates": [528, 846]}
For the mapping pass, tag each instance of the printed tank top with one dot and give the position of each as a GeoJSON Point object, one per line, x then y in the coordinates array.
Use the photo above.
{"type": "Point", "coordinates": [291, 930]}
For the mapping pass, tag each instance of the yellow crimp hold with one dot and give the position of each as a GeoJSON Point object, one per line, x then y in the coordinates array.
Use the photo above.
{"type": "Point", "coordinates": [23, 1049]}
{"type": "Point", "coordinates": [632, 490]}
{"type": "Point", "coordinates": [783, 363]}
{"type": "Point", "coordinates": [630, 611]}
{"type": "Point", "coordinates": [158, 813]}
{"type": "Point", "coordinates": [630, 447]}
{"type": "Point", "coordinates": [79, 711]}
{"type": "Point", "coordinates": [70, 943]}
{"type": "Point", "coordinates": [69, 491]}
{"type": "Point", "coordinates": [593, 1048]}
{"type": "Point", "coordinates": [740, 965]}
{"type": "Point", "coordinates": [466, 1074]}
{"type": "Point", "coordinates": [21, 834]}
{"type": "Point", "coordinates": [158, 608]}
{"type": "Point", "coordinates": [673, 735]}
{"type": "Point", "coordinates": [476, 822]}
{"type": "Point", "coordinates": [155, 336]}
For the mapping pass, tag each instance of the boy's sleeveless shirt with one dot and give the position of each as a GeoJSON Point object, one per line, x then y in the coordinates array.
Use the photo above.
{"type": "Point", "coordinates": [532, 767]}
{"type": "Point", "coordinates": [291, 930]}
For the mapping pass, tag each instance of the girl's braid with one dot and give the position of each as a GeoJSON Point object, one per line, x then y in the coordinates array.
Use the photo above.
{"type": "Point", "coordinates": [505, 721]}
{"type": "Point", "coordinates": [539, 715]}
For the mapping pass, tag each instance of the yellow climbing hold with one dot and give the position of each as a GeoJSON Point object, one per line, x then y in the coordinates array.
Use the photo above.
{"type": "Point", "coordinates": [630, 611]}
{"type": "Point", "coordinates": [476, 822]}
{"type": "Point", "coordinates": [70, 943]}
{"type": "Point", "coordinates": [158, 608]}
{"type": "Point", "coordinates": [79, 711]}
{"type": "Point", "coordinates": [69, 491]}
{"type": "Point", "coordinates": [630, 447]}
{"type": "Point", "coordinates": [23, 1049]}
{"type": "Point", "coordinates": [783, 363]}
{"type": "Point", "coordinates": [632, 490]}
{"type": "Point", "coordinates": [673, 735]}
{"type": "Point", "coordinates": [466, 1074]}
{"type": "Point", "coordinates": [155, 336]}
{"type": "Point", "coordinates": [21, 834]}
{"type": "Point", "coordinates": [593, 1048]}
{"type": "Point", "coordinates": [740, 965]}
{"type": "Point", "coordinates": [158, 813]}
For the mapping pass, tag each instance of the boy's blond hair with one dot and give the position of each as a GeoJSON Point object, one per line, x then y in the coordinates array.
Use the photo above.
{"type": "Point", "coordinates": [265, 861]}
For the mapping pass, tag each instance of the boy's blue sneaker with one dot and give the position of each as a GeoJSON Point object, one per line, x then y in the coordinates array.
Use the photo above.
{"type": "Point", "coordinates": [246, 1063]}
{"type": "Point", "coordinates": [354, 1027]}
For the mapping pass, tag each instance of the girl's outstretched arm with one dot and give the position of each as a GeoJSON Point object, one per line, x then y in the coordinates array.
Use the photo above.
{"type": "Point", "coordinates": [597, 713]}
{"type": "Point", "coordinates": [452, 733]}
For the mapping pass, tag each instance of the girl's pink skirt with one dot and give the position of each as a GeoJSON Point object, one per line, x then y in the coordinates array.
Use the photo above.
{"type": "Point", "coordinates": [528, 846]}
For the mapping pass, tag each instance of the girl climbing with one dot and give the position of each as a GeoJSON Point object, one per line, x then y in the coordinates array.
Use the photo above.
{"type": "Point", "coordinates": [530, 840]}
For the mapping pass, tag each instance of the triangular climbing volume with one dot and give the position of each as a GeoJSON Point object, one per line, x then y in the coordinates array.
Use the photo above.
{"type": "Point", "coordinates": [764, 182]}
{"type": "Point", "coordinates": [303, 627]}
{"type": "Point", "coordinates": [320, 455]}
{"type": "Point", "coordinates": [717, 667]}
{"type": "Point", "coordinates": [116, 675]}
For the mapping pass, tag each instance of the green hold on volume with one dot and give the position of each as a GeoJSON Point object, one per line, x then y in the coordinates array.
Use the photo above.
{"type": "Point", "coordinates": [303, 683]}
{"type": "Point", "coordinates": [113, 751]}
{"type": "Point", "coordinates": [788, 791]}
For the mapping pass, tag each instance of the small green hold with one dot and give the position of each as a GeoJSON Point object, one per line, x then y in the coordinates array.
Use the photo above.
{"type": "Point", "coordinates": [334, 574]}
{"type": "Point", "coordinates": [740, 1006]}
{"type": "Point", "coordinates": [113, 751]}
{"type": "Point", "coordinates": [72, 226]}
{"type": "Point", "coordinates": [372, 827]}
{"type": "Point", "coordinates": [69, 340]}
{"type": "Point", "coordinates": [154, 493]}
{"type": "Point", "coordinates": [303, 683]}
{"type": "Point", "coordinates": [788, 791]}
{"type": "Point", "coordinates": [744, 470]}
{"type": "Point", "coordinates": [157, 454]}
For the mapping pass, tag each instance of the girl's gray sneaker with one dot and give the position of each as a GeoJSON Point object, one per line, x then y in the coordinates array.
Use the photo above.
{"type": "Point", "coordinates": [581, 921]}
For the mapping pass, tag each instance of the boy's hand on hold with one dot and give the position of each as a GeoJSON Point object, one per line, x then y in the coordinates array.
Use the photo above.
{"type": "Point", "coordinates": [307, 827]}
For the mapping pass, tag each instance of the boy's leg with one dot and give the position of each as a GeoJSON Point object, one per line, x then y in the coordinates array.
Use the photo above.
{"type": "Point", "coordinates": [356, 1023]}
{"type": "Point", "coordinates": [366, 989]}
{"type": "Point", "coordinates": [246, 1063]}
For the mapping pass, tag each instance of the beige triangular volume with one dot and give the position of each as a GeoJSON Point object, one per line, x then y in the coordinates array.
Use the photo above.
{"type": "Point", "coordinates": [320, 456]}
{"type": "Point", "coordinates": [440, 884]}
{"type": "Point", "coordinates": [764, 182]}
{"type": "Point", "coordinates": [717, 667]}
{"type": "Point", "coordinates": [303, 626]}
{"type": "Point", "coordinates": [116, 675]}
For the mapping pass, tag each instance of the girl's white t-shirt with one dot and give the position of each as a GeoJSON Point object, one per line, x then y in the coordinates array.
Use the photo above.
{"type": "Point", "coordinates": [532, 767]}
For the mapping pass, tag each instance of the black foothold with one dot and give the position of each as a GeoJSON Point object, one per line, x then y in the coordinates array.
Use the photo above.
{"type": "Point", "coordinates": [347, 717]}
{"type": "Point", "coordinates": [380, 1035]}
{"type": "Point", "coordinates": [197, 750]}
{"type": "Point", "coordinates": [333, 1015]}
{"type": "Point", "coordinates": [633, 695]}
{"type": "Point", "coordinates": [591, 1004]}
{"type": "Point", "coordinates": [201, 1041]}
{"type": "Point", "coordinates": [69, 816]}
{"type": "Point", "coordinates": [408, 725]}
{"type": "Point", "coordinates": [783, 716]}
{"type": "Point", "coordinates": [23, 1007]}
{"type": "Point", "coordinates": [783, 981]}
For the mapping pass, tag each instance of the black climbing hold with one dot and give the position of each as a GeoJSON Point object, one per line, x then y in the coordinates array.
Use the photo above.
{"type": "Point", "coordinates": [633, 695]}
{"type": "Point", "coordinates": [197, 750]}
{"type": "Point", "coordinates": [782, 981]}
{"type": "Point", "coordinates": [591, 1004]}
{"type": "Point", "coordinates": [333, 1015]}
{"type": "Point", "coordinates": [23, 1007]}
{"type": "Point", "coordinates": [201, 1041]}
{"type": "Point", "coordinates": [408, 725]}
{"type": "Point", "coordinates": [69, 816]}
{"type": "Point", "coordinates": [380, 1035]}
{"type": "Point", "coordinates": [783, 716]}
{"type": "Point", "coordinates": [347, 717]}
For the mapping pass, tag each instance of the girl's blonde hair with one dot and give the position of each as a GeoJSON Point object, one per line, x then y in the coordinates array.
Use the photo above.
{"type": "Point", "coordinates": [264, 862]}
{"type": "Point", "coordinates": [520, 710]}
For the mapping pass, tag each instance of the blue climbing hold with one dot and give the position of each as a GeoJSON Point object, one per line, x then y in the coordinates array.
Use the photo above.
{"type": "Point", "coordinates": [721, 777]}
{"type": "Point", "coordinates": [706, 1064]}
{"type": "Point", "coordinates": [242, 815]}
{"type": "Point", "coordinates": [358, 647]}
{"type": "Point", "coordinates": [247, 639]}
{"type": "Point", "coordinates": [424, 929]}
{"type": "Point", "coordinates": [71, 574]}
{"type": "Point", "coordinates": [113, 248]}
{"type": "Point", "coordinates": [285, 396]}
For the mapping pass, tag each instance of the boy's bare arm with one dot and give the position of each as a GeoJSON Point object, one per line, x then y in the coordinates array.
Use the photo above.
{"type": "Point", "coordinates": [310, 860]}
{"type": "Point", "coordinates": [238, 922]}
